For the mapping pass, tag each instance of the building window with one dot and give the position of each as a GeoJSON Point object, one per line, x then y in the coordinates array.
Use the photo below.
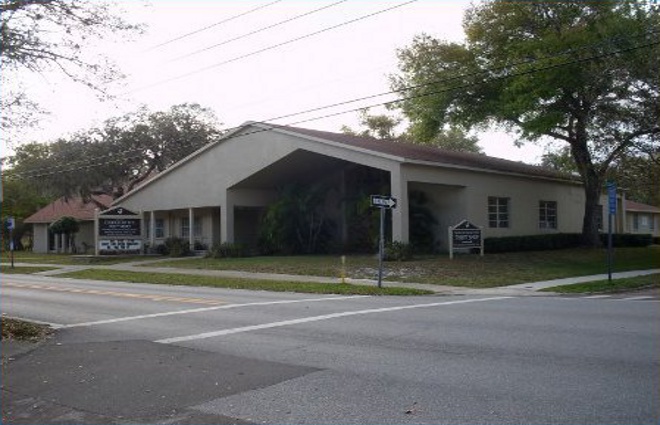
{"type": "Point", "coordinates": [498, 212]}
{"type": "Point", "coordinates": [547, 214]}
{"type": "Point", "coordinates": [185, 227]}
{"type": "Point", "coordinates": [159, 228]}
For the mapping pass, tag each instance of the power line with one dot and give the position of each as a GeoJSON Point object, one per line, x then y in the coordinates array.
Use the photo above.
{"type": "Point", "coordinates": [487, 79]}
{"type": "Point", "coordinates": [268, 48]}
{"type": "Point", "coordinates": [277, 24]}
{"type": "Point", "coordinates": [231, 18]}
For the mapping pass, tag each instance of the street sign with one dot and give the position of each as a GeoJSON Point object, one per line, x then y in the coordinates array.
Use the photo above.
{"type": "Point", "coordinates": [11, 224]}
{"type": "Point", "coordinates": [383, 201]}
{"type": "Point", "coordinates": [611, 196]}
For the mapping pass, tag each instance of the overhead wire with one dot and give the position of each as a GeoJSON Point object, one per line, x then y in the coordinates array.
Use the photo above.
{"type": "Point", "coordinates": [257, 31]}
{"type": "Point", "coordinates": [224, 21]}
{"type": "Point", "coordinates": [36, 173]}
{"type": "Point", "coordinates": [267, 48]}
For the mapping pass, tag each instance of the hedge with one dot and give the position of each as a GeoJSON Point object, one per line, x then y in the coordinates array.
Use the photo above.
{"type": "Point", "coordinates": [558, 241]}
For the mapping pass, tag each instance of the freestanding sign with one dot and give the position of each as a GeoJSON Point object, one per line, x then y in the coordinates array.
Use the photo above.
{"type": "Point", "coordinates": [465, 235]}
{"type": "Point", "coordinates": [118, 230]}
{"type": "Point", "coordinates": [382, 202]}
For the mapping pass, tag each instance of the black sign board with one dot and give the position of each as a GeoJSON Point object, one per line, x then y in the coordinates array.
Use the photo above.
{"type": "Point", "coordinates": [119, 227]}
{"type": "Point", "coordinates": [383, 201]}
{"type": "Point", "coordinates": [118, 211]}
{"type": "Point", "coordinates": [466, 235]}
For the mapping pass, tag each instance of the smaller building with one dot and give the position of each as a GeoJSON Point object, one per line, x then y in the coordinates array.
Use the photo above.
{"type": "Point", "coordinates": [641, 218]}
{"type": "Point", "coordinates": [45, 241]}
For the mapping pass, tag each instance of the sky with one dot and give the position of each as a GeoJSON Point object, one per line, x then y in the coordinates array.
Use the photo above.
{"type": "Point", "coordinates": [202, 51]}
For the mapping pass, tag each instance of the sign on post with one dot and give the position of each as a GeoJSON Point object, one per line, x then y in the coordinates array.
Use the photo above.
{"type": "Point", "coordinates": [118, 230]}
{"type": "Point", "coordinates": [382, 202]}
{"type": "Point", "coordinates": [465, 235]}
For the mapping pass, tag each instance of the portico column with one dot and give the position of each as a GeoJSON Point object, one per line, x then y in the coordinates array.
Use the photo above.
{"type": "Point", "coordinates": [152, 229]}
{"type": "Point", "coordinates": [191, 227]}
{"type": "Point", "coordinates": [227, 219]}
{"type": "Point", "coordinates": [399, 190]}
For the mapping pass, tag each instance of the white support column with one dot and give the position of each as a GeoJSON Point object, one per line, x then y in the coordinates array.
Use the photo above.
{"type": "Point", "coordinates": [399, 190]}
{"type": "Point", "coordinates": [227, 219]}
{"type": "Point", "coordinates": [191, 228]}
{"type": "Point", "coordinates": [623, 215]}
{"type": "Point", "coordinates": [97, 248]}
{"type": "Point", "coordinates": [152, 229]}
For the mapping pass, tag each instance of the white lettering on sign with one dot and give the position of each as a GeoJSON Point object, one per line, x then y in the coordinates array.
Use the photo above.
{"type": "Point", "coordinates": [120, 244]}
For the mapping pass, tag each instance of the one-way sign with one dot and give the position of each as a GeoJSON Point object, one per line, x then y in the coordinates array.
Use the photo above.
{"type": "Point", "coordinates": [383, 201]}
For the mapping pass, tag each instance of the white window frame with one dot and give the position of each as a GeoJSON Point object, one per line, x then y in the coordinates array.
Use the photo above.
{"type": "Point", "coordinates": [499, 212]}
{"type": "Point", "coordinates": [548, 215]}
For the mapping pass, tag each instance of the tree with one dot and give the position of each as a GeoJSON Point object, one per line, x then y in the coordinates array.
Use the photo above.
{"type": "Point", "coordinates": [583, 73]}
{"type": "Point", "coordinates": [378, 126]}
{"type": "Point", "coordinates": [43, 35]}
{"type": "Point", "coordinates": [119, 155]}
{"type": "Point", "coordinates": [636, 172]}
{"type": "Point", "coordinates": [384, 127]}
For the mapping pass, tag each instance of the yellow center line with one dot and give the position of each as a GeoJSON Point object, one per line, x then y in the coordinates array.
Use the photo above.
{"type": "Point", "coordinates": [152, 297]}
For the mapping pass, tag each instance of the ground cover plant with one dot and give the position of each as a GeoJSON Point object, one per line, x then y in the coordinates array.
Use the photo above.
{"type": "Point", "coordinates": [237, 283]}
{"type": "Point", "coordinates": [605, 286]}
{"type": "Point", "coordinates": [464, 270]}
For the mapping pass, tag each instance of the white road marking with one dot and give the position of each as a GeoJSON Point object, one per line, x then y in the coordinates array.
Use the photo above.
{"type": "Point", "coordinates": [593, 297]}
{"type": "Point", "coordinates": [203, 309]}
{"type": "Point", "coordinates": [316, 319]}
{"type": "Point", "coordinates": [644, 297]}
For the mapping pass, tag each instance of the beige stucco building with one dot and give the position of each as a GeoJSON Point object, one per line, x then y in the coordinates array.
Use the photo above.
{"type": "Point", "coordinates": [220, 192]}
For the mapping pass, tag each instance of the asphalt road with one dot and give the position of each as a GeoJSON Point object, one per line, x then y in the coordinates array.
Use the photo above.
{"type": "Point", "coordinates": [154, 354]}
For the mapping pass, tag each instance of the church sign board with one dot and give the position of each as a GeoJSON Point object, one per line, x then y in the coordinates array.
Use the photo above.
{"type": "Point", "coordinates": [118, 231]}
{"type": "Point", "coordinates": [465, 235]}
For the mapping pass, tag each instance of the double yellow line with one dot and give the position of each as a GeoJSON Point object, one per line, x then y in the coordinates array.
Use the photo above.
{"type": "Point", "coordinates": [152, 297]}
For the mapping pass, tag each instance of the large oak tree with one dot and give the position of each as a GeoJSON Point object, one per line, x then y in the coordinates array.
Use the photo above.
{"type": "Point", "coordinates": [583, 73]}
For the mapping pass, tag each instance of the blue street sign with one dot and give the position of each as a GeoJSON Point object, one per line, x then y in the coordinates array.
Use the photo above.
{"type": "Point", "coordinates": [611, 196]}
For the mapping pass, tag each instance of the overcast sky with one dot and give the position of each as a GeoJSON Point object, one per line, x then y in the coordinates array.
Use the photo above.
{"type": "Point", "coordinates": [252, 78]}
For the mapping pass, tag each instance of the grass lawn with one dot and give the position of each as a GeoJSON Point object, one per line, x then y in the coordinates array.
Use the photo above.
{"type": "Point", "coordinates": [220, 282]}
{"type": "Point", "coordinates": [66, 259]}
{"type": "Point", "coordinates": [23, 331]}
{"type": "Point", "coordinates": [464, 270]}
{"type": "Point", "coordinates": [23, 269]}
{"type": "Point", "coordinates": [604, 286]}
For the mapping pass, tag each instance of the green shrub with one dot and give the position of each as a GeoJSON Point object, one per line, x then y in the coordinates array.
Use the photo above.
{"type": "Point", "coordinates": [558, 241]}
{"type": "Point", "coordinates": [227, 250]}
{"type": "Point", "coordinates": [628, 239]}
{"type": "Point", "coordinates": [398, 251]}
{"type": "Point", "coordinates": [174, 247]}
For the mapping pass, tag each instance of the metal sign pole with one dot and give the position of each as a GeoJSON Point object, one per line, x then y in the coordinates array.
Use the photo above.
{"type": "Point", "coordinates": [611, 194]}
{"type": "Point", "coordinates": [381, 247]}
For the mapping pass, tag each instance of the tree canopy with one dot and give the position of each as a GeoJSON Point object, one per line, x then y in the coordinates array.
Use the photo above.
{"type": "Point", "coordinates": [583, 73]}
{"type": "Point", "coordinates": [117, 156]}
{"type": "Point", "coordinates": [38, 36]}
{"type": "Point", "coordinates": [383, 126]}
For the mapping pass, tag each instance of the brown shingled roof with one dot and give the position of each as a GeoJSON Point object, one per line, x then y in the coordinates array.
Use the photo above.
{"type": "Point", "coordinates": [639, 207]}
{"type": "Point", "coordinates": [72, 207]}
{"type": "Point", "coordinates": [415, 152]}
